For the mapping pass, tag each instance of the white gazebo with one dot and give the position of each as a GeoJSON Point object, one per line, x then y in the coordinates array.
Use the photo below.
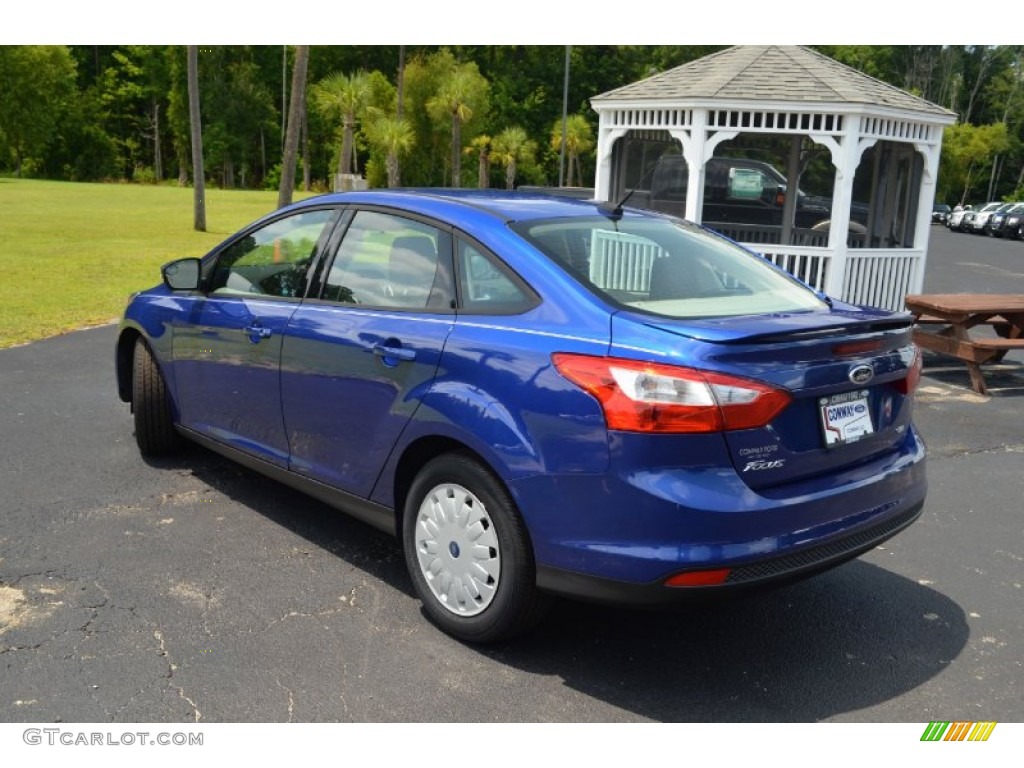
{"type": "Point", "coordinates": [879, 147]}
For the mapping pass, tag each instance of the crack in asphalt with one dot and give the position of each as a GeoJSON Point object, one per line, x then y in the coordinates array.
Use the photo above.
{"type": "Point", "coordinates": [956, 452]}
{"type": "Point", "coordinates": [171, 667]}
{"type": "Point", "coordinates": [291, 699]}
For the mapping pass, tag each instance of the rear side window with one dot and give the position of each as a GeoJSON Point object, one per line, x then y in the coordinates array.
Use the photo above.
{"type": "Point", "coordinates": [486, 286]}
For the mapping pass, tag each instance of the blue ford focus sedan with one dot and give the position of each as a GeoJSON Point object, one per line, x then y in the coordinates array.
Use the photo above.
{"type": "Point", "coordinates": [538, 396]}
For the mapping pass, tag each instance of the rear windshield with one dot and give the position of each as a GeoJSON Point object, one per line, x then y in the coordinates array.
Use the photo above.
{"type": "Point", "coordinates": [667, 267]}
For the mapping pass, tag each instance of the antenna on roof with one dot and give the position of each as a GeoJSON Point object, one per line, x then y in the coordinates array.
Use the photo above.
{"type": "Point", "coordinates": [614, 212]}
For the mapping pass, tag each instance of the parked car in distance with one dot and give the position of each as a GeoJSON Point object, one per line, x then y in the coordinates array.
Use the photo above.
{"type": "Point", "coordinates": [1013, 223]}
{"type": "Point", "coordinates": [536, 396]}
{"type": "Point", "coordinates": [978, 219]}
{"type": "Point", "coordinates": [997, 221]}
{"type": "Point", "coordinates": [956, 218]}
{"type": "Point", "coordinates": [940, 212]}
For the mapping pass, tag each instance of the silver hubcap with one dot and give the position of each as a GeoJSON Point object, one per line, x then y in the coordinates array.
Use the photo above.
{"type": "Point", "coordinates": [457, 549]}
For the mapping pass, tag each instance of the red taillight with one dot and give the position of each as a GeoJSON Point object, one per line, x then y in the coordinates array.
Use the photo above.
{"type": "Point", "coordinates": [698, 578]}
{"type": "Point", "coordinates": [906, 386]}
{"type": "Point", "coordinates": [652, 397]}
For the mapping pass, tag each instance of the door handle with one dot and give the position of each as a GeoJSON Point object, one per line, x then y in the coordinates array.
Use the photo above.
{"type": "Point", "coordinates": [257, 332]}
{"type": "Point", "coordinates": [395, 354]}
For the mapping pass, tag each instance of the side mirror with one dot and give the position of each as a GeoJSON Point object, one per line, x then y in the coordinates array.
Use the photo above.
{"type": "Point", "coordinates": [181, 275]}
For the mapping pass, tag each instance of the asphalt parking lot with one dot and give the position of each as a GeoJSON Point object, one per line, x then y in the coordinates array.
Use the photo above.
{"type": "Point", "coordinates": [193, 590]}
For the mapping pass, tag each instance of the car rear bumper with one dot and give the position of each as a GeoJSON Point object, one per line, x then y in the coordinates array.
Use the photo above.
{"type": "Point", "coordinates": [774, 571]}
{"type": "Point", "coordinates": [622, 536]}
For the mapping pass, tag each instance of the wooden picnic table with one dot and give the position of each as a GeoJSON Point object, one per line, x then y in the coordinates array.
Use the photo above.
{"type": "Point", "coordinates": [943, 323]}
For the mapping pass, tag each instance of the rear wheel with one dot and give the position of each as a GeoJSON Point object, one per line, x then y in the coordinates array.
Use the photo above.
{"type": "Point", "coordinates": [468, 552]}
{"type": "Point", "coordinates": [154, 424]}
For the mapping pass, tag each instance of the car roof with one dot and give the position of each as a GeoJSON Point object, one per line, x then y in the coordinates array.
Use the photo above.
{"type": "Point", "coordinates": [459, 205]}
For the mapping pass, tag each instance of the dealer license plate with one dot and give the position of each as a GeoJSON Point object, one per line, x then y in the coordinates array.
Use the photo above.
{"type": "Point", "coordinates": [845, 417]}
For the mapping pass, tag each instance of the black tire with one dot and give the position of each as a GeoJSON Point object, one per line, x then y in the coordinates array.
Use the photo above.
{"type": "Point", "coordinates": [154, 424]}
{"type": "Point", "coordinates": [478, 504]}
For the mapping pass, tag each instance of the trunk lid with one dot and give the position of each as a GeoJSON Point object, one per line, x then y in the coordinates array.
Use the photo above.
{"type": "Point", "coordinates": [845, 370]}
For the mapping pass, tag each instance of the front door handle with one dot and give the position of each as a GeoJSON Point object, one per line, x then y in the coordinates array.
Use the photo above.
{"type": "Point", "coordinates": [257, 332]}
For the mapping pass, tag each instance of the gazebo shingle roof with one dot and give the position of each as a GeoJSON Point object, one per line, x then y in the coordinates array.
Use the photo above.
{"type": "Point", "coordinates": [770, 73]}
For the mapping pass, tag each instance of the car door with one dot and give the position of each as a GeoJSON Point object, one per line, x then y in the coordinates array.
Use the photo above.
{"type": "Point", "coordinates": [227, 351]}
{"type": "Point", "coordinates": [358, 358]}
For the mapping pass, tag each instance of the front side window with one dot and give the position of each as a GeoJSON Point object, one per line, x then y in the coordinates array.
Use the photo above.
{"type": "Point", "coordinates": [274, 260]}
{"type": "Point", "coordinates": [390, 261]}
{"type": "Point", "coordinates": [667, 267]}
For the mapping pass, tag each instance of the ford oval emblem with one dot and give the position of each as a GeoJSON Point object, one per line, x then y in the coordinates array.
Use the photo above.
{"type": "Point", "coordinates": [861, 374]}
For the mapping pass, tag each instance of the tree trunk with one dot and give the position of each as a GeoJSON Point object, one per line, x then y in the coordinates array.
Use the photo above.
{"type": "Point", "coordinates": [396, 181]}
{"type": "Point", "coordinates": [229, 173]}
{"type": "Point", "coordinates": [510, 175]}
{"type": "Point", "coordinates": [456, 149]}
{"type": "Point", "coordinates": [483, 173]}
{"type": "Point", "coordinates": [158, 158]}
{"type": "Point", "coordinates": [391, 163]}
{"type": "Point", "coordinates": [986, 59]}
{"type": "Point", "coordinates": [345, 158]}
{"type": "Point", "coordinates": [198, 175]}
{"type": "Point", "coordinates": [182, 168]}
{"type": "Point", "coordinates": [291, 141]}
{"type": "Point", "coordinates": [307, 183]}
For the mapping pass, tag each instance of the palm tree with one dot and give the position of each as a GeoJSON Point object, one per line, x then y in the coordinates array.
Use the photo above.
{"type": "Point", "coordinates": [456, 97]}
{"type": "Point", "coordinates": [399, 109]}
{"type": "Point", "coordinates": [344, 96]}
{"type": "Point", "coordinates": [291, 140]}
{"type": "Point", "coordinates": [579, 138]}
{"type": "Point", "coordinates": [394, 137]}
{"type": "Point", "coordinates": [198, 174]}
{"type": "Point", "coordinates": [510, 148]}
{"type": "Point", "coordinates": [482, 146]}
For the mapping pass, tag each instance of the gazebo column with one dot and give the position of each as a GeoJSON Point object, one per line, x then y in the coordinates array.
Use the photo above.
{"type": "Point", "coordinates": [846, 152]}
{"type": "Point", "coordinates": [925, 202]}
{"type": "Point", "coordinates": [605, 143]}
{"type": "Point", "coordinates": [698, 147]}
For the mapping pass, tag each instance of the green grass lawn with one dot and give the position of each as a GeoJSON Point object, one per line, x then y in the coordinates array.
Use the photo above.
{"type": "Point", "coordinates": [70, 254]}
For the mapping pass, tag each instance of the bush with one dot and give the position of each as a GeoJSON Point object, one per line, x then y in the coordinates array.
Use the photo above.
{"type": "Point", "coordinates": [272, 180]}
{"type": "Point", "coordinates": [144, 174]}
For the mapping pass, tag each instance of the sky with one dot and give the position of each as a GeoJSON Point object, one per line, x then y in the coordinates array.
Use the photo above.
{"type": "Point", "coordinates": [439, 22]}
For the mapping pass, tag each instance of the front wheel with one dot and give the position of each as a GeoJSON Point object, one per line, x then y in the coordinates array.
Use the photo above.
{"type": "Point", "coordinates": [468, 552]}
{"type": "Point", "coordinates": [151, 406]}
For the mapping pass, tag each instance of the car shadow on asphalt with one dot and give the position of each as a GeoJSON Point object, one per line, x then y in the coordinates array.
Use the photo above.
{"type": "Point", "coordinates": [846, 640]}
{"type": "Point", "coordinates": [357, 543]}
{"type": "Point", "coordinates": [849, 639]}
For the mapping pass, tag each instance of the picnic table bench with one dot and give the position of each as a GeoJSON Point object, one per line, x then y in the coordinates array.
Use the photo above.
{"type": "Point", "coordinates": [955, 314]}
